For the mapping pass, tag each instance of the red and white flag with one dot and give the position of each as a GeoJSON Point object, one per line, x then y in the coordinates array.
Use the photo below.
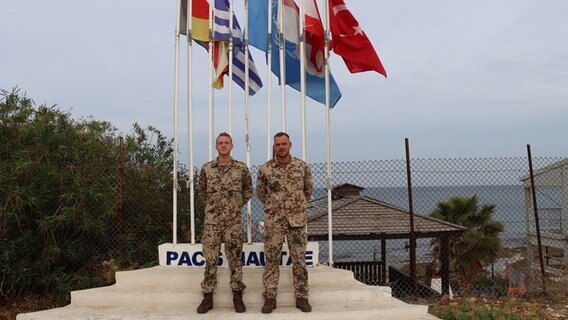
{"type": "Point", "coordinates": [314, 38]}
{"type": "Point", "coordinates": [350, 41]}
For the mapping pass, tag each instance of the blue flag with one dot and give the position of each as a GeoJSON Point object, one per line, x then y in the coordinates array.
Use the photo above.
{"type": "Point", "coordinates": [258, 37]}
{"type": "Point", "coordinates": [258, 17]}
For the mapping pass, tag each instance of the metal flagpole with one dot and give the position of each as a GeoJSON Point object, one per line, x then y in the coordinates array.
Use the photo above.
{"type": "Point", "coordinates": [231, 48]}
{"type": "Point", "coordinates": [269, 85]}
{"type": "Point", "coordinates": [303, 76]}
{"type": "Point", "coordinates": [281, 49]}
{"type": "Point", "coordinates": [211, 75]}
{"type": "Point", "coordinates": [247, 133]}
{"type": "Point", "coordinates": [328, 136]}
{"type": "Point", "coordinates": [176, 89]}
{"type": "Point", "coordinates": [190, 180]}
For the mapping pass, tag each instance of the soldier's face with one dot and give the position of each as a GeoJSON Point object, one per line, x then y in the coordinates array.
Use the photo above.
{"type": "Point", "coordinates": [282, 146]}
{"type": "Point", "coordinates": [224, 146]}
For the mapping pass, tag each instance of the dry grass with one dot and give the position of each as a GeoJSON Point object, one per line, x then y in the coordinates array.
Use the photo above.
{"type": "Point", "coordinates": [542, 307]}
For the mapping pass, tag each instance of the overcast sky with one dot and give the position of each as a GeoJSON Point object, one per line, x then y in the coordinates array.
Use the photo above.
{"type": "Point", "coordinates": [466, 78]}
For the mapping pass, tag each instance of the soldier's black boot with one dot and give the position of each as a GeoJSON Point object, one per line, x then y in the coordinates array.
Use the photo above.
{"type": "Point", "coordinates": [269, 305]}
{"type": "Point", "coordinates": [303, 304]}
{"type": "Point", "coordinates": [238, 301]}
{"type": "Point", "coordinates": [206, 304]}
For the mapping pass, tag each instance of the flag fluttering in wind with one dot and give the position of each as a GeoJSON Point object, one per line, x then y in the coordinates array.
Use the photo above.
{"type": "Point", "coordinates": [314, 37]}
{"type": "Point", "coordinates": [221, 32]}
{"type": "Point", "coordinates": [350, 41]}
{"type": "Point", "coordinates": [221, 37]}
{"type": "Point", "coordinates": [199, 20]}
{"type": "Point", "coordinates": [258, 24]}
{"type": "Point", "coordinates": [315, 81]}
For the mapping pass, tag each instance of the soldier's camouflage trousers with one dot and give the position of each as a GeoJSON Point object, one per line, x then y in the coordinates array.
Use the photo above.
{"type": "Point", "coordinates": [232, 236]}
{"type": "Point", "coordinates": [297, 242]}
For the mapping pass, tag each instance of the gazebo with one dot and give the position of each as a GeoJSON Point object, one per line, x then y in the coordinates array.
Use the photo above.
{"type": "Point", "coordinates": [358, 217]}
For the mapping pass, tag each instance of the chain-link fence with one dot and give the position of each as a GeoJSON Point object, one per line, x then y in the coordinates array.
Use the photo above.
{"type": "Point", "coordinates": [492, 256]}
{"type": "Point", "coordinates": [490, 240]}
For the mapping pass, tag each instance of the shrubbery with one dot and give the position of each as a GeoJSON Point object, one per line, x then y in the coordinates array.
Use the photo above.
{"type": "Point", "coordinates": [77, 200]}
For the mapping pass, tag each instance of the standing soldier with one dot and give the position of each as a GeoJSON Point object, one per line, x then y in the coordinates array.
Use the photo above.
{"type": "Point", "coordinates": [225, 185]}
{"type": "Point", "coordinates": [284, 187]}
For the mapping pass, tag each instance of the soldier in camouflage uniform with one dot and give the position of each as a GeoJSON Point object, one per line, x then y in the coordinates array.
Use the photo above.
{"type": "Point", "coordinates": [284, 187]}
{"type": "Point", "coordinates": [225, 185]}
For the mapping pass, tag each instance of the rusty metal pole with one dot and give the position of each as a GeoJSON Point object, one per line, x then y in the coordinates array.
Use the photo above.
{"type": "Point", "coordinates": [411, 212]}
{"type": "Point", "coordinates": [536, 219]}
{"type": "Point", "coordinates": [121, 179]}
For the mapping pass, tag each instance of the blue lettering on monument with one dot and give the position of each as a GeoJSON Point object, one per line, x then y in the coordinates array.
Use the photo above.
{"type": "Point", "coordinates": [252, 259]}
{"type": "Point", "coordinates": [171, 256]}
{"type": "Point", "coordinates": [198, 263]}
{"type": "Point", "coordinates": [185, 259]}
{"type": "Point", "coordinates": [255, 258]}
{"type": "Point", "coordinates": [262, 262]}
{"type": "Point", "coordinates": [309, 258]}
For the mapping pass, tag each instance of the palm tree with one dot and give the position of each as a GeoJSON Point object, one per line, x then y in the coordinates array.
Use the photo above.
{"type": "Point", "coordinates": [479, 245]}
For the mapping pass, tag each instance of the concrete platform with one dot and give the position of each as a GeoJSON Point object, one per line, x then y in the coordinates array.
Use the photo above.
{"type": "Point", "coordinates": [174, 293]}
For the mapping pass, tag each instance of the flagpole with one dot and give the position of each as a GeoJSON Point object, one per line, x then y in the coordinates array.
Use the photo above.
{"type": "Point", "coordinates": [231, 47]}
{"type": "Point", "coordinates": [190, 181]}
{"type": "Point", "coordinates": [247, 132]}
{"type": "Point", "coordinates": [328, 136]}
{"type": "Point", "coordinates": [269, 85]}
{"type": "Point", "coordinates": [281, 44]}
{"type": "Point", "coordinates": [303, 77]}
{"type": "Point", "coordinates": [211, 72]}
{"type": "Point", "coordinates": [176, 101]}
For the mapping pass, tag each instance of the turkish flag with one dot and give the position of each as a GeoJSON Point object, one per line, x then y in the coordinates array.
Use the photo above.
{"type": "Point", "coordinates": [350, 42]}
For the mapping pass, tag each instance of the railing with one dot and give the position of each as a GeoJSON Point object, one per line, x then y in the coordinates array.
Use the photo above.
{"type": "Point", "coordinates": [368, 272]}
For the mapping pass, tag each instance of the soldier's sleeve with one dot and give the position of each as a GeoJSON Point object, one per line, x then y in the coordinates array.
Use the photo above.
{"type": "Point", "coordinates": [308, 183]}
{"type": "Point", "coordinates": [246, 186]}
{"type": "Point", "coordinates": [261, 186]}
{"type": "Point", "coordinates": [203, 185]}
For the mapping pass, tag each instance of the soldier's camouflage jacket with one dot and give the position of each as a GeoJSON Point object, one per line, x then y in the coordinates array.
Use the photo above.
{"type": "Point", "coordinates": [224, 190]}
{"type": "Point", "coordinates": [285, 190]}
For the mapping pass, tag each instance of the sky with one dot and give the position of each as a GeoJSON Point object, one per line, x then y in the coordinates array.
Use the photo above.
{"type": "Point", "coordinates": [465, 78]}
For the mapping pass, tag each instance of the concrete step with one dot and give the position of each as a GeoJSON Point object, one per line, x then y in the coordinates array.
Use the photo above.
{"type": "Point", "coordinates": [157, 298]}
{"type": "Point", "coordinates": [384, 311]}
{"type": "Point", "coordinates": [171, 277]}
{"type": "Point", "coordinates": [174, 293]}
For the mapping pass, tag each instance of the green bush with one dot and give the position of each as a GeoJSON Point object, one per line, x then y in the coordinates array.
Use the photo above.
{"type": "Point", "coordinates": [76, 200]}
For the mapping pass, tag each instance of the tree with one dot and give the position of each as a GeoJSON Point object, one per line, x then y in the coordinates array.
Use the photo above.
{"type": "Point", "coordinates": [54, 195]}
{"type": "Point", "coordinates": [479, 245]}
{"type": "Point", "coordinates": [75, 199]}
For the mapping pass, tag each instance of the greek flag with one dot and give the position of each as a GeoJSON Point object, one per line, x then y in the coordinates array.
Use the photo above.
{"type": "Point", "coordinates": [221, 32]}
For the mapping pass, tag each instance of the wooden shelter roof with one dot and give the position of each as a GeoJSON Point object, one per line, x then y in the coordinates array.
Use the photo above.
{"type": "Point", "coordinates": [360, 217]}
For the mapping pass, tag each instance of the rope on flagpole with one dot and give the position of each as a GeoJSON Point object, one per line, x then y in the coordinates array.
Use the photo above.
{"type": "Point", "coordinates": [175, 114]}
{"type": "Point", "coordinates": [231, 48]}
{"type": "Point", "coordinates": [247, 132]}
